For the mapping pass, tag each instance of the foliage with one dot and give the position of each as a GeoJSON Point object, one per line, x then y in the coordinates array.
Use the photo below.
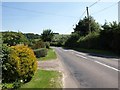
{"type": "Point", "coordinates": [14, 38]}
{"type": "Point", "coordinates": [7, 69]}
{"type": "Point", "coordinates": [47, 35]}
{"type": "Point", "coordinates": [47, 45]}
{"type": "Point", "coordinates": [54, 44]}
{"type": "Point", "coordinates": [83, 26]}
{"type": "Point", "coordinates": [42, 52]}
{"type": "Point", "coordinates": [107, 38]}
{"type": "Point", "coordinates": [31, 43]}
{"type": "Point", "coordinates": [38, 44]}
{"type": "Point", "coordinates": [51, 55]}
{"type": "Point", "coordinates": [6, 86]}
{"type": "Point", "coordinates": [72, 40]}
{"type": "Point", "coordinates": [19, 63]}
{"type": "Point", "coordinates": [32, 36]}
{"type": "Point", "coordinates": [17, 84]}
{"type": "Point", "coordinates": [59, 40]}
{"type": "Point", "coordinates": [110, 36]}
{"type": "Point", "coordinates": [90, 41]}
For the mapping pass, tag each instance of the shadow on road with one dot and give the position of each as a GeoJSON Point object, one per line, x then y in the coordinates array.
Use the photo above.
{"type": "Point", "coordinates": [97, 54]}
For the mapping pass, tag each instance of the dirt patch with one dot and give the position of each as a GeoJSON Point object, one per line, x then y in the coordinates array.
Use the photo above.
{"type": "Point", "coordinates": [50, 65]}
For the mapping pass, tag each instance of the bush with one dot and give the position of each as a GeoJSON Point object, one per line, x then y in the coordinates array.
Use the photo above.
{"type": "Point", "coordinates": [40, 52]}
{"type": "Point", "coordinates": [53, 43]}
{"type": "Point", "coordinates": [38, 44]}
{"type": "Point", "coordinates": [47, 44]}
{"type": "Point", "coordinates": [7, 68]}
{"type": "Point", "coordinates": [19, 63]}
{"type": "Point", "coordinates": [57, 44]}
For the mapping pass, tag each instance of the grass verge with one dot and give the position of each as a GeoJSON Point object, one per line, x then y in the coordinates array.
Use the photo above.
{"type": "Point", "coordinates": [99, 52]}
{"type": "Point", "coordinates": [50, 55]}
{"type": "Point", "coordinates": [45, 79]}
{"type": "Point", "coordinates": [96, 52]}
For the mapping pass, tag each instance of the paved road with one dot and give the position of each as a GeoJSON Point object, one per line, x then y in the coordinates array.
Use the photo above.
{"type": "Point", "coordinates": [89, 71]}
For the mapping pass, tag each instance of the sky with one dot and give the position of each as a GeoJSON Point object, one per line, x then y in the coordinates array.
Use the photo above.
{"type": "Point", "coordinates": [34, 17]}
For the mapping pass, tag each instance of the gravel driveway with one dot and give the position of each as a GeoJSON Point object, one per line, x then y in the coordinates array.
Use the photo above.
{"type": "Point", "coordinates": [50, 65]}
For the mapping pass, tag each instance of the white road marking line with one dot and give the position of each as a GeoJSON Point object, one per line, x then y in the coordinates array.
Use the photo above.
{"type": "Point", "coordinates": [65, 50]}
{"type": "Point", "coordinates": [97, 62]}
{"type": "Point", "coordinates": [74, 52]}
{"type": "Point", "coordinates": [107, 65]}
{"type": "Point", "coordinates": [81, 56]}
{"type": "Point", "coordinates": [115, 59]}
{"type": "Point", "coordinates": [80, 53]}
{"type": "Point", "coordinates": [103, 58]}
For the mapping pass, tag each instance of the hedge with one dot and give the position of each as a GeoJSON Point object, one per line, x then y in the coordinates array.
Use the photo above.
{"type": "Point", "coordinates": [40, 52]}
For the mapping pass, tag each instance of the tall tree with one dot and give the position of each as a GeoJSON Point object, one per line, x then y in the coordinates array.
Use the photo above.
{"type": "Point", "coordinates": [47, 35]}
{"type": "Point", "coordinates": [83, 26]}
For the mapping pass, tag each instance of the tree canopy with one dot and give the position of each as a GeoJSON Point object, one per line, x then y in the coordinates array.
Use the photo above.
{"type": "Point", "coordinates": [47, 35]}
{"type": "Point", "coordinates": [32, 36]}
{"type": "Point", "coordinates": [83, 26]}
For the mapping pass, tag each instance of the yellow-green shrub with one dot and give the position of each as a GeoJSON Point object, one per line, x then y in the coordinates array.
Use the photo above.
{"type": "Point", "coordinates": [23, 63]}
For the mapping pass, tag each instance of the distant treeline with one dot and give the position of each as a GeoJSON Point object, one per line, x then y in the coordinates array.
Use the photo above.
{"type": "Point", "coordinates": [32, 35]}
{"type": "Point", "coordinates": [87, 34]}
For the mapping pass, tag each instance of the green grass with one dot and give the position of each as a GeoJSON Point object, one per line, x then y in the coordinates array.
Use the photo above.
{"type": "Point", "coordinates": [42, 79]}
{"type": "Point", "coordinates": [50, 55]}
{"type": "Point", "coordinates": [45, 79]}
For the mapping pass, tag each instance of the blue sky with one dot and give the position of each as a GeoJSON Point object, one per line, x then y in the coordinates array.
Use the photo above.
{"type": "Point", "coordinates": [34, 17]}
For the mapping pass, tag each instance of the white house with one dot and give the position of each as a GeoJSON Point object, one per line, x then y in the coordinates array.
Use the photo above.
{"type": "Point", "coordinates": [119, 11]}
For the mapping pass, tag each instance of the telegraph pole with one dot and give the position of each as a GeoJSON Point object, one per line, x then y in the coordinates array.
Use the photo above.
{"type": "Point", "coordinates": [88, 19]}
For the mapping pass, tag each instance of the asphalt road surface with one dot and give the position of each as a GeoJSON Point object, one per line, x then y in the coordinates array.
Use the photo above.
{"type": "Point", "coordinates": [89, 71]}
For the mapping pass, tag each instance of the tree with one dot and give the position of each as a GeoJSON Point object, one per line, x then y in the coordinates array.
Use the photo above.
{"type": "Point", "coordinates": [72, 40]}
{"type": "Point", "coordinates": [47, 35]}
{"type": "Point", "coordinates": [83, 26]}
{"type": "Point", "coordinates": [110, 36]}
{"type": "Point", "coordinates": [59, 39]}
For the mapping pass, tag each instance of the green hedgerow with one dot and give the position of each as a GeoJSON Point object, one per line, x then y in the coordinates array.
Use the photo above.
{"type": "Point", "coordinates": [42, 52]}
